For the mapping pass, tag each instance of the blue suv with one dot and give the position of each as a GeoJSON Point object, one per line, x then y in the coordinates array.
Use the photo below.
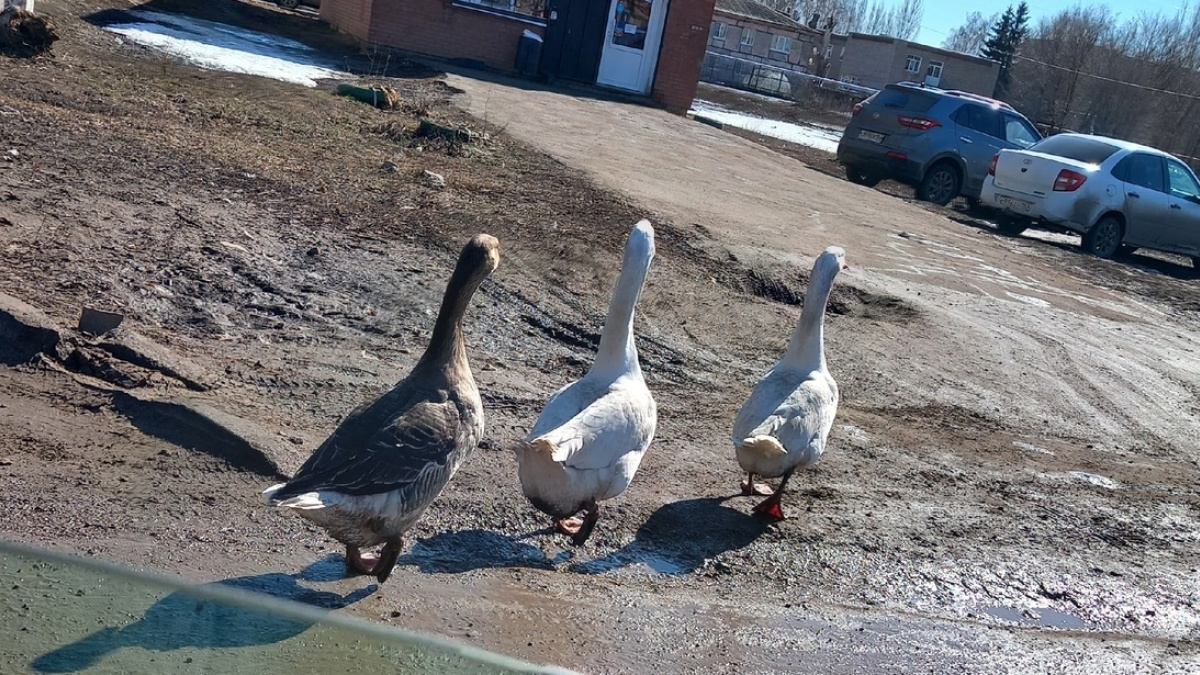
{"type": "Point", "coordinates": [940, 141]}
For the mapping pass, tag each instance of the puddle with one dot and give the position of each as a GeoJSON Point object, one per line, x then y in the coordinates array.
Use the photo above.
{"type": "Point", "coordinates": [632, 563]}
{"type": "Point", "coordinates": [218, 46]}
{"type": "Point", "coordinates": [1041, 617]}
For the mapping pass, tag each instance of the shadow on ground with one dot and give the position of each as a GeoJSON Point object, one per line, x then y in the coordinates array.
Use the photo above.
{"type": "Point", "coordinates": [458, 552]}
{"type": "Point", "coordinates": [180, 621]}
{"type": "Point", "coordinates": [682, 537]}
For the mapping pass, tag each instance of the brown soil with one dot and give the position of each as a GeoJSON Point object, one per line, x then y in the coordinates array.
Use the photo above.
{"type": "Point", "coordinates": [278, 253]}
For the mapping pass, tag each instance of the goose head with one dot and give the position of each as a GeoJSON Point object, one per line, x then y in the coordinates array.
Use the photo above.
{"type": "Point", "coordinates": [831, 261]}
{"type": "Point", "coordinates": [640, 246]}
{"type": "Point", "coordinates": [480, 257]}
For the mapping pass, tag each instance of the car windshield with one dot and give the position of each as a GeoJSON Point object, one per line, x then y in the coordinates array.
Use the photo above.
{"type": "Point", "coordinates": [1086, 150]}
{"type": "Point", "coordinates": [66, 614]}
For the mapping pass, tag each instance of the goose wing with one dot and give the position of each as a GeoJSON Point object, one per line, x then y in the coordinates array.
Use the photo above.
{"type": "Point", "coordinates": [793, 416]}
{"type": "Point", "coordinates": [387, 445]}
{"type": "Point", "coordinates": [604, 431]}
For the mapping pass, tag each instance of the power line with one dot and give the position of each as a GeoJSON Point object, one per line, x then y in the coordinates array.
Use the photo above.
{"type": "Point", "coordinates": [1110, 79]}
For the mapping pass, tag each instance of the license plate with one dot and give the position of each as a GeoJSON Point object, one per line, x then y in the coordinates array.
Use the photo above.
{"type": "Point", "coordinates": [1018, 205]}
{"type": "Point", "coordinates": [870, 136]}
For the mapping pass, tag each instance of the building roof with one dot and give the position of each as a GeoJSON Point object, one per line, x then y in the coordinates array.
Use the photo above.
{"type": "Point", "coordinates": [918, 45]}
{"type": "Point", "coordinates": [749, 9]}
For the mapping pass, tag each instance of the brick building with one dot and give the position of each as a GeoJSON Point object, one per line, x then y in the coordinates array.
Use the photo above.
{"type": "Point", "coordinates": [647, 47]}
{"type": "Point", "coordinates": [750, 30]}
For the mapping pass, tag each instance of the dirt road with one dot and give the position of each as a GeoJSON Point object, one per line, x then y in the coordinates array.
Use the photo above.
{"type": "Point", "coordinates": [1012, 485]}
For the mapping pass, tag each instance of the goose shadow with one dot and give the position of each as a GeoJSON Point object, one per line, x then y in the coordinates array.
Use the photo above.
{"type": "Point", "coordinates": [467, 550]}
{"type": "Point", "coordinates": [682, 537]}
{"type": "Point", "coordinates": [180, 620]}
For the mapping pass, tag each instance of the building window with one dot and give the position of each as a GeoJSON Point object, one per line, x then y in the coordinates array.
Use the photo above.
{"type": "Point", "coordinates": [718, 30]}
{"type": "Point", "coordinates": [524, 9]}
{"type": "Point", "coordinates": [828, 51]}
{"type": "Point", "coordinates": [781, 44]}
{"type": "Point", "coordinates": [913, 65]}
{"type": "Point", "coordinates": [747, 37]}
{"type": "Point", "coordinates": [935, 69]}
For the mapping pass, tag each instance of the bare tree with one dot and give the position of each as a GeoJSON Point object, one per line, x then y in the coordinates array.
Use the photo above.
{"type": "Point", "coordinates": [1138, 80]}
{"type": "Point", "coordinates": [906, 19]}
{"type": "Point", "coordinates": [1057, 53]}
{"type": "Point", "coordinates": [846, 14]}
{"type": "Point", "coordinates": [969, 37]}
{"type": "Point", "coordinates": [863, 16]}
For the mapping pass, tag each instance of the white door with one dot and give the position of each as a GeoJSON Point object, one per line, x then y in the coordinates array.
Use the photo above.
{"type": "Point", "coordinates": [630, 53]}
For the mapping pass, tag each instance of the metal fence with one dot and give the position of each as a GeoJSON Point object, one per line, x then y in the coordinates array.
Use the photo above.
{"type": "Point", "coordinates": [730, 71]}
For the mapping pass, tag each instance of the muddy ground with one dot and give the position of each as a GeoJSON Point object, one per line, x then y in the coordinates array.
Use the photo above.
{"type": "Point", "coordinates": [1012, 485]}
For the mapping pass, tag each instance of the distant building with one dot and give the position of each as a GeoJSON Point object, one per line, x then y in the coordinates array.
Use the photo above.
{"type": "Point", "coordinates": [875, 60]}
{"type": "Point", "coordinates": [750, 30]}
{"type": "Point", "coordinates": [754, 35]}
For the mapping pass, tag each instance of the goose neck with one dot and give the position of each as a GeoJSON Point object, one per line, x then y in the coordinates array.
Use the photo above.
{"type": "Point", "coordinates": [446, 345]}
{"type": "Point", "coordinates": [807, 346]}
{"type": "Point", "coordinates": [618, 352]}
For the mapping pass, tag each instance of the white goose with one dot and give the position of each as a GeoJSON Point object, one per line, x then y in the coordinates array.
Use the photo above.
{"type": "Point", "coordinates": [783, 425]}
{"type": "Point", "coordinates": [588, 442]}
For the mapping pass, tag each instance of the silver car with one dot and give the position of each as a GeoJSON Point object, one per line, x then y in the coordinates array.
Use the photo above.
{"type": "Point", "coordinates": [1114, 193]}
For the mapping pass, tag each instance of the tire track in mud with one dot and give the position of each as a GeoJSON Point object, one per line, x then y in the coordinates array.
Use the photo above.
{"type": "Point", "coordinates": [1088, 383]}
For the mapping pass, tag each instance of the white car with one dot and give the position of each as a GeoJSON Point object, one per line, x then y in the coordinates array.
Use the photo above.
{"type": "Point", "coordinates": [1112, 192]}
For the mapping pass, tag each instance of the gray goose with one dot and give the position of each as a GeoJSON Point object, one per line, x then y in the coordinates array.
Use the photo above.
{"type": "Point", "coordinates": [371, 480]}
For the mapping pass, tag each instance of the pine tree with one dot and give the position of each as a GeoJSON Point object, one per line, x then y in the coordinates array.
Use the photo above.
{"type": "Point", "coordinates": [1002, 43]}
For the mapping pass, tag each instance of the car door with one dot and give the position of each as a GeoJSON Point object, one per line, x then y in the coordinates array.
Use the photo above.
{"type": "Point", "coordinates": [980, 130]}
{"type": "Point", "coordinates": [1183, 210]}
{"type": "Point", "coordinates": [1143, 178]}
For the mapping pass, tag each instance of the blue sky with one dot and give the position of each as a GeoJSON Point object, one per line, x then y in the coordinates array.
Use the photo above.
{"type": "Point", "coordinates": [943, 16]}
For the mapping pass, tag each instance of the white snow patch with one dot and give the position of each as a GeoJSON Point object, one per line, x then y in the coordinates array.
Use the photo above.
{"type": "Point", "coordinates": [1036, 302]}
{"type": "Point", "coordinates": [219, 46]}
{"type": "Point", "coordinates": [821, 138]}
{"type": "Point", "coordinates": [1102, 481]}
{"type": "Point", "coordinates": [1031, 447]}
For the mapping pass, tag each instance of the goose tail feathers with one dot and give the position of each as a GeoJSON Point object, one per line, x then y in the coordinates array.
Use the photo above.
{"type": "Point", "coordinates": [765, 446]}
{"type": "Point", "coordinates": [306, 501]}
{"type": "Point", "coordinates": [545, 446]}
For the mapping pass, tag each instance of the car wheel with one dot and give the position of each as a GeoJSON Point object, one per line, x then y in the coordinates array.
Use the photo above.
{"type": "Point", "coordinates": [860, 176]}
{"type": "Point", "coordinates": [288, 4]}
{"type": "Point", "coordinates": [1011, 226]}
{"type": "Point", "coordinates": [1104, 239]}
{"type": "Point", "coordinates": [940, 184]}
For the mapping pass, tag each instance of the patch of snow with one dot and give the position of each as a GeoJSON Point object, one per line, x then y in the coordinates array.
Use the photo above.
{"type": "Point", "coordinates": [821, 138]}
{"type": "Point", "coordinates": [1102, 481]}
{"type": "Point", "coordinates": [1053, 237]}
{"type": "Point", "coordinates": [1031, 447]}
{"type": "Point", "coordinates": [854, 433]}
{"type": "Point", "coordinates": [1036, 302]}
{"type": "Point", "coordinates": [218, 46]}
